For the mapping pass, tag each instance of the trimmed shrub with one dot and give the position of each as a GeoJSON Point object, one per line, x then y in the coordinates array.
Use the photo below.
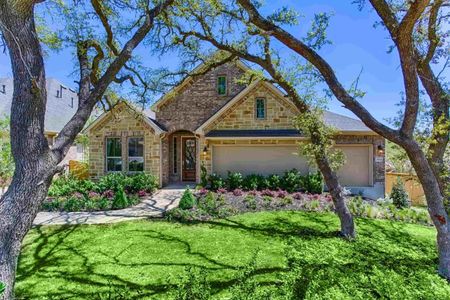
{"type": "Point", "coordinates": [312, 183]}
{"type": "Point", "coordinates": [254, 182]}
{"type": "Point", "coordinates": [291, 181]}
{"type": "Point", "coordinates": [273, 182]}
{"type": "Point", "coordinates": [234, 180]}
{"type": "Point", "coordinates": [216, 182]}
{"type": "Point", "coordinates": [399, 196]}
{"type": "Point", "coordinates": [187, 200]}
{"type": "Point", "coordinates": [120, 199]}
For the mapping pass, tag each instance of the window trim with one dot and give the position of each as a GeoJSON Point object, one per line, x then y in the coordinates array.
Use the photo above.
{"type": "Point", "coordinates": [265, 108]}
{"type": "Point", "coordinates": [226, 84]}
{"type": "Point", "coordinates": [106, 153]}
{"type": "Point", "coordinates": [128, 153]}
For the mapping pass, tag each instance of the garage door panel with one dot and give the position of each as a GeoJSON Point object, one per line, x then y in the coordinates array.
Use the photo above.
{"type": "Point", "coordinates": [357, 171]}
{"type": "Point", "coordinates": [264, 160]}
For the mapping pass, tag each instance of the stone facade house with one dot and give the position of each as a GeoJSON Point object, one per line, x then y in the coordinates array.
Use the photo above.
{"type": "Point", "coordinates": [212, 122]}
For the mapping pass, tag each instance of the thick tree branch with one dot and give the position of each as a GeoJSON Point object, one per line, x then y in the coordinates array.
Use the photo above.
{"type": "Point", "coordinates": [76, 123]}
{"type": "Point", "coordinates": [323, 67]}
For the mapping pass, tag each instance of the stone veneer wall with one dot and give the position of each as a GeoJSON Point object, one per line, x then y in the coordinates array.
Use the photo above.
{"type": "Point", "coordinates": [279, 113]}
{"type": "Point", "coordinates": [198, 100]}
{"type": "Point", "coordinates": [122, 123]}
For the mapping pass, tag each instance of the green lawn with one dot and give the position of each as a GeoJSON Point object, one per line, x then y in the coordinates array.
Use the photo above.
{"type": "Point", "coordinates": [144, 259]}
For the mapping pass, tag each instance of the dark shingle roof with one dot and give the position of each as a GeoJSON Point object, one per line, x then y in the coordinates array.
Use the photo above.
{"type": "Point", "coordinates": [255, 133]}
{"type": "Point", "coordinates": [343, 123]}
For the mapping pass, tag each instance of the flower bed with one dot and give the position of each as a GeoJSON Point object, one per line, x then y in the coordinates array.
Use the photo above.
{"type": "Point", "coordinates": [223, 203]}
{"type": "Point", "coordinates": [113, 191]}
{"type": "Point", "coordinates": [204, 204]}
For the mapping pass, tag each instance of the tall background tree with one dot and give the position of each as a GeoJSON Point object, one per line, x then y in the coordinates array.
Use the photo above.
{"type": "Point", "coordinates": [104, 34]}
{"type": "Point", "coordinates": [418, 34]}
{"type": "Point", "coordinates": [199, 26]}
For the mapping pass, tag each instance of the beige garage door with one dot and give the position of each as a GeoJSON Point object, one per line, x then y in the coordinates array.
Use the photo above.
{"type": "Point", "coordinates": [264, 160]}
{"type": "Point", "coordinates": [357, 170]}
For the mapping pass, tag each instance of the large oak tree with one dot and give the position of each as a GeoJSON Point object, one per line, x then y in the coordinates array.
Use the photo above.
{"type": "Point", "coordinates": [100, 63]}
{"type": "Point", "coordinates": [417, 33]}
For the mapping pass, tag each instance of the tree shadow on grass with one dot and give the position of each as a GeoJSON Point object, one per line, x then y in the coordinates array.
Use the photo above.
{"type": "Point", "coordinates": [363, 255]}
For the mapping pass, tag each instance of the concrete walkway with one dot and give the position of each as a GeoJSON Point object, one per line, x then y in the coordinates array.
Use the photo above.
{"type": "Point", "coordinates": [154, 206]}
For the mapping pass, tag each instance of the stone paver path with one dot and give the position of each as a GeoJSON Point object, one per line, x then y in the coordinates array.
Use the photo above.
{"type": "Point", "coordinates": [154, 206]}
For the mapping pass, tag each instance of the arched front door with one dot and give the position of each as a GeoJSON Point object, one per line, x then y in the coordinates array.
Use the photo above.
{"type": "Point", "coordinates": [189, 154]}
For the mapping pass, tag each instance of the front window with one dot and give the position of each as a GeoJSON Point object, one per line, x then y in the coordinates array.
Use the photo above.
{"type": "Point", "coordinates": [260, 108]}
{"type": "Point", "coordinates": [113, 155]}
{"type": "Point", "coordinates": [136, 154]}
{"type": "Point", "coordinates": [222, 85]}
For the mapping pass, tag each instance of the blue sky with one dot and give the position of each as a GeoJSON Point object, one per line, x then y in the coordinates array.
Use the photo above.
{"type": "Point", "coordinates": [356, 44]}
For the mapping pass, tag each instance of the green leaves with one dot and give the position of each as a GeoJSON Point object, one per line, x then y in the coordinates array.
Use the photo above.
{"type": "Point", "coordinates": [2, 288]}
{"type": "Point", "coordinates": [316, 37]}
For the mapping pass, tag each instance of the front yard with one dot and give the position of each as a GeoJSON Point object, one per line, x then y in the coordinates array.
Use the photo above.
{"type": "Point", "coordinates": [145, 259]}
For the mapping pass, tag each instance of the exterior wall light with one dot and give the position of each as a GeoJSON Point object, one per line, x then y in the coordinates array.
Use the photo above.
{"type": "Point", "coordinates": [380, 150]}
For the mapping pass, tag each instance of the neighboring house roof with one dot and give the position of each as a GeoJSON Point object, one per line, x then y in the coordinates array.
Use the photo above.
{"type": "Point", "coordinates": [341, 123]}
{"type": "Point", "coordinates": [146, 116]}
{"type": "Point", "coordinates": [254, 133]}
{"type": "Point", "coordinates": [174, 91]}
{"type": "Point", "coordinates": [62, 103]}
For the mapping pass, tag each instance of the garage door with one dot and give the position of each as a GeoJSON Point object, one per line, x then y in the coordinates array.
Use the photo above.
{"type": "Point", "coordinates": [357, 170]}
{"type": "Point", "coordinates": [264, 160]}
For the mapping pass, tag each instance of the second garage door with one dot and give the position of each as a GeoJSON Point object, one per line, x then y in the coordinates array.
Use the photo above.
{"type": "Point", "coordinates": [264, 160]}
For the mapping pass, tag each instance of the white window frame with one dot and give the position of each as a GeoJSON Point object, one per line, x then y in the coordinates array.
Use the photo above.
{"type": "Point", "coordinates": [106, 154]}
{"type": "Point", "coordinates": [131, 157]}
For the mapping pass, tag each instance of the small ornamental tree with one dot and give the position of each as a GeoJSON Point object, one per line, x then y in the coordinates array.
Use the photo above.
{"type": "Point", "coordinates": [187, 200]}
{"type": "Point", "coordinates": [399, 195]}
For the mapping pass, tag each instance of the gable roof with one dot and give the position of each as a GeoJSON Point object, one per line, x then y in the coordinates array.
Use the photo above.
{"type": "Point", "coordinates": [147, 117]}
{"type": "Point", "coordinates": [175, 90]}
{"type": "Point", "coordinates": [341, 123]}
{"type": "Point", "coordinates": [59, 110]}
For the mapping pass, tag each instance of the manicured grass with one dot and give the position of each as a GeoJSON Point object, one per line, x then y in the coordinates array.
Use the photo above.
{"type": "Point", "coordinates": [144, 259]}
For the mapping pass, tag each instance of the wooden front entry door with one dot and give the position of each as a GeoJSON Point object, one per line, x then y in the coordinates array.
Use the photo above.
{"type": "Point", "coordinates": [189, 151]}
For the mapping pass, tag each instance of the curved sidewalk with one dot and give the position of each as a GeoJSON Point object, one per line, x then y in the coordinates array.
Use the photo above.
{"type": "Point", "coordinates": [154, 206]}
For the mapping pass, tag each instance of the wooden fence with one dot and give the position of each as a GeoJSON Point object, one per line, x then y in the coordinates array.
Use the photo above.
{"type": "Point", "coordinates": [412, 186]}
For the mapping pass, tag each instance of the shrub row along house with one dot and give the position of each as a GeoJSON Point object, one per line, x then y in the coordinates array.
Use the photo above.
{"type": "Point", "coordinates": [212, 122]}
{"type": "Point", "coordinates": [62, 103]}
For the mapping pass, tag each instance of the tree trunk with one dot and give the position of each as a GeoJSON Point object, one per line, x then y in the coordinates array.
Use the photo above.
{"type": "Point", "coordinates": [435, 204]}
{"type": "Point", "coordinates": [18, 209]}
{"type": "Point", "coordinates": [347, 224]}
{"type": "Point", "coordinates": [34, 163]}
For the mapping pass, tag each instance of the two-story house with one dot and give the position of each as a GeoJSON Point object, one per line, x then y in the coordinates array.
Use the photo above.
{"type": "Point", "coordinates": [212, 120]}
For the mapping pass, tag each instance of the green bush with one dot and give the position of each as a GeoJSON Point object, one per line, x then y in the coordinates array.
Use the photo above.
{"type": "Point", "coordinates": [193, 285]}
{"type": "Point", "coordinates": [216, 182]}
{"type": "Point", "coordinates": [67, 185]}
{"type": "Point", "coordinates": [187, 200]}
{"type": "Point", "coordinates": [254, 182]}
{"type": "Point", "coordinates": [291, 181]}
{"type": "Point", "coordinates": [203, 175]}
{"type": "Point", "coordinates": [114, 181]}
{"type": "Point", "coordinates": [120, 199]}
{"type": "Point", "coordinates": [141, 182]}
{"type": "Point", "coordinates": [399, 196]}
{"type": "Point", "coordinates": [234, 180]}
{"type": "Point", "coordinates": [273, 182]}
{"type": "Point", "coordinates": [312, 183]}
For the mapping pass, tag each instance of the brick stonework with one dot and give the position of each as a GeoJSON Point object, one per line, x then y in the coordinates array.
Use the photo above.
{"type": "Point", "coordinates": [199, 100]}
{"type": "Point", "coordinates": [123, 123]}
